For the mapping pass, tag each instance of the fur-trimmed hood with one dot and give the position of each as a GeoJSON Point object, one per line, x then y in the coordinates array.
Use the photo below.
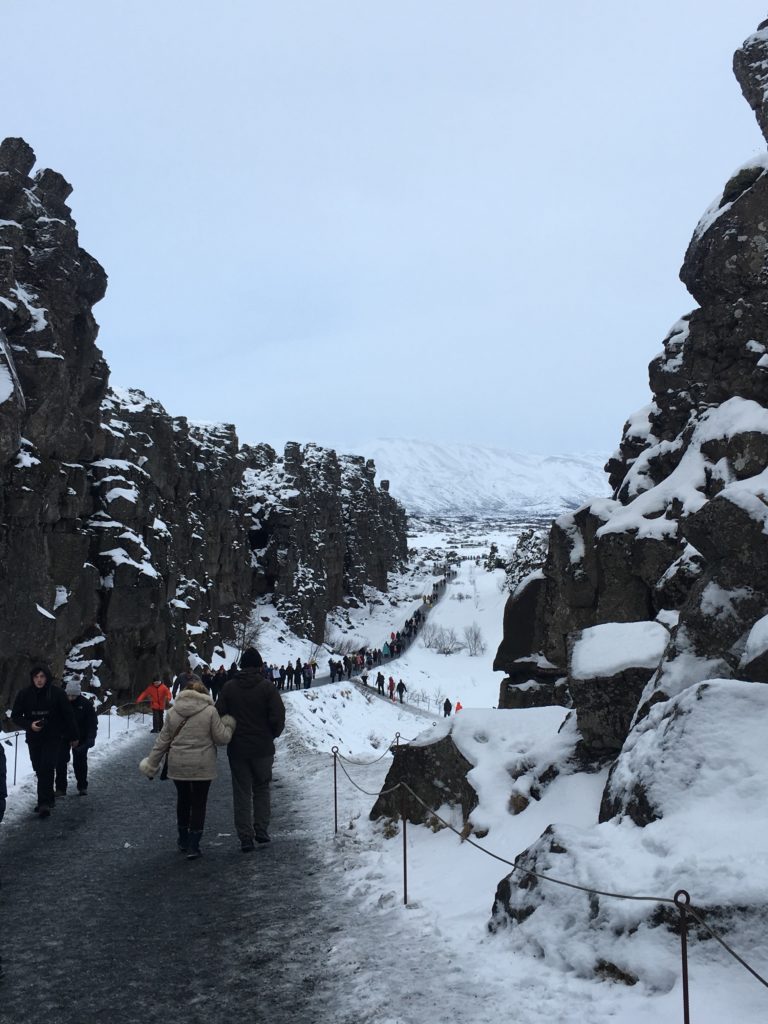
{"type": "Point", "coordinates": [190, 702]}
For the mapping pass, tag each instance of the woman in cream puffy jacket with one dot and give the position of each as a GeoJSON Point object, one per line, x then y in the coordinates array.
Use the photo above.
{"type": "Point", "coordinates": [190, 735]}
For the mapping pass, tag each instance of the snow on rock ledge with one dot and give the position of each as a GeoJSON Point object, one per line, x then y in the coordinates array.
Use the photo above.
{"type": "Point", "coordinates": [662, 829]}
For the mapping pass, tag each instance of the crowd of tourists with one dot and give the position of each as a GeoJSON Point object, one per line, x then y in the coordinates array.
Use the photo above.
{"type": "Point", "coordinates": [247, 716]}
{"type": "Point", "coordinates": [192, 715]}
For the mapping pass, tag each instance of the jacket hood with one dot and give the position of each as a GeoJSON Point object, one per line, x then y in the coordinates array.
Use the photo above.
{"type": "Point", "coordinates": [189, 702]}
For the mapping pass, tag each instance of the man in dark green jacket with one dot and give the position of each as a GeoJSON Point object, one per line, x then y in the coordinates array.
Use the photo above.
{"type": "Point", "coordinates": [257, 707]}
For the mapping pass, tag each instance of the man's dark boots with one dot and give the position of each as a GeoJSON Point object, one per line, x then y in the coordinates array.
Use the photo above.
{"type": "Point", "coordinates": [183, 839]}
{"type": "Point", "coordinates": [193, 845]}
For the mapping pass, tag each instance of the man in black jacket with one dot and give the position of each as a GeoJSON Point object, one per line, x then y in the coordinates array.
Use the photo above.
{"type": "Point", "coordinates": [87, 726]}
{"type": "Point", "coordinates": [257, 707]}
{"type": "Point", "coordinates": [43, 711]}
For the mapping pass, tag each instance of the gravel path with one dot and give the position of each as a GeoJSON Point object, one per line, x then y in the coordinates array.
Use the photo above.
{"type": "Point", "coordinates": [103, 919]}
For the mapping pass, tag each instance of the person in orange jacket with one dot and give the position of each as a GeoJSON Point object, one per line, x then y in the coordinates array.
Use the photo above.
{"type": "Point", "coordinates": [458, 708]}
{"type": "Point", "coordinates": [159, 696]}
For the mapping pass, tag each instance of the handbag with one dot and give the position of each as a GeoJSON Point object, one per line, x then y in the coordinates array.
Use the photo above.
{"type": "Point", "coordinates": [164, 769]}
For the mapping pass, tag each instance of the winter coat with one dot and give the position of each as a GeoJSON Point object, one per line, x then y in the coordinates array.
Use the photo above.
{"type": "Point", "coordinates": [49, 705]}
{"type": "Point", "coordinates": [259, 710]}
{"type": "Point", "coordinates": [158, 695]}
{"type": "Point", "coordinates": [191, 748]}
{"type": "Point", "coordinates": [87, 721]}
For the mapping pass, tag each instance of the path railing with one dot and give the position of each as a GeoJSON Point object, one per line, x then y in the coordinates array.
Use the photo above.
{"type": "Point", "coordinates": [681, 899]}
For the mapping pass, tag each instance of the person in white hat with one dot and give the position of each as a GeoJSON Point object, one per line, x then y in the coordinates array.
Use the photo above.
{"type": "Point", "coordinates": [87, 727]}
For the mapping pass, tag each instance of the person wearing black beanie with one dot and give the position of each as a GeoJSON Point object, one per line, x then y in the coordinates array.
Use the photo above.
{"type": "Point", "coordinates": [251, 659]}
{"type": "Point", "coordinates": [256, 704]}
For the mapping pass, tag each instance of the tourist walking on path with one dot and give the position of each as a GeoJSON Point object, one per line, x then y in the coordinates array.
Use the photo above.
{"type": "Point", "coordinates": [447, 708]}
{"type": "Point", "coordinates": [190, 736]}
{"type": "Point", "coordinates": [260, 713]}
{"type": "Point", "coordinates": [159, 696]}
{"type": "Point", "coordinates": [391, 687]}
{"type": "Point", "coordinates": [307, 673]}
{"type": "Point", "coordinates": [217, 683]}
{"type": "Point", "coordinates": [401, 689]}
{"type": "Point", "coordinates": [182, 679]}
{"type": "Point", "coordinates": [87, 726]}
{"type": "Point", "coordinates": [45, 714]}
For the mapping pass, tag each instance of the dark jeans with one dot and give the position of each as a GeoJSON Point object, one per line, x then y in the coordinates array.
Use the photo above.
{"type": "Point", "coordinates": [44, 754]}
{"type": "Point", "coordinates": [191, 800]}
{"type": "Point", "coordinates": [251, 777]}
{"type": "Point", "coordinates": [157, 720]}
{"type": "Point", "coordinates": [79, 763]}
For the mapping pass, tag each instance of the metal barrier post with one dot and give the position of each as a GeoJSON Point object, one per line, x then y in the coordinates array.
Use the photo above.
{"type": "Point", "coordinates": [682, 899]}
{"type": "Point", "coordinates": [109, 723]}
{"type": "Point", "coordinates": [397, 739]}
{"type": "Point", "coordinates": [405, 847]}
{"type": "Point", "coordinates": [335, 751]}
{"type": "Point", "coordinates": [15, 756]}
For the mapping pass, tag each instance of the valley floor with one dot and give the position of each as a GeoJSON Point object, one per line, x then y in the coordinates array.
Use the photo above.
{"type": "Point", "coordinates": [101, 918]}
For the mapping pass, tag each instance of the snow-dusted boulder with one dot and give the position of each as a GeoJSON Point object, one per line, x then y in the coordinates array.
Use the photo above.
{"type": "Point", "coordinates": [480, 766]}
{"type": "Point", "coordinates": [609, 668]}
{"type": "Point", "coordinates": [436, 770]}
{"type": "Point", "coordinates": [664, 828]}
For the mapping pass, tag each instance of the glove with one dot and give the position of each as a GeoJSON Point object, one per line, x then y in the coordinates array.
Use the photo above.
{"type": "Point", "coordinates": [145, 769]}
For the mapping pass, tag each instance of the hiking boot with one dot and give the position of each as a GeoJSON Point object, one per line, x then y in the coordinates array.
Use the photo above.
{"type": "Point", "coordinates": [262, 838]}
{"type": "Point", "coordinates": [44, 811]}
{"type": "Point", "coordinates": [183, 842]}
{"type": "Point", "coordinates": [82, 791]}
{"type": "Point", "coordinates": [61, 792]}
{"type": "Point", "coordinates": [193, 845]}
{"type": "Point", "coordinates": [247, 845]}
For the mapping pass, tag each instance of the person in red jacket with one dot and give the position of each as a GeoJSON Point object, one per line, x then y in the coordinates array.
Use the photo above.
{"type": "Point", "coordinates": [159, 696]}
{"type": "Point", "coordinates": [459, 707]}
{"type": "Point", "coordinates": [391, 687]}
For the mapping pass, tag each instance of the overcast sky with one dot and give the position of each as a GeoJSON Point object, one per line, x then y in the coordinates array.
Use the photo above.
{"type": "Point", "coordinates": [335, 221]}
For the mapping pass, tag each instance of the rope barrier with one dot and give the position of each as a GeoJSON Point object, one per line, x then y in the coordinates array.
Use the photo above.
{"type": "Point", "coordinates": [695, 915]}
{"type": "Point", "coordinates": [683, 904]}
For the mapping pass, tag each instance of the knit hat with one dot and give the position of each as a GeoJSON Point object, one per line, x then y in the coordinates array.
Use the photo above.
{"type": "Point", "coordinates": [251, 659]}
{"type": "Point", "coordinates": [73, 688]}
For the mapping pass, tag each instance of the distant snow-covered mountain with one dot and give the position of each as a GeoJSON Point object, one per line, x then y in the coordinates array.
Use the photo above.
{"type": "Point", "coordinates": [467, 479]}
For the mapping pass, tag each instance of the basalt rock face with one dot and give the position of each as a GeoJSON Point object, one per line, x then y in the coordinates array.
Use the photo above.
{"type": "Point", "coordinates": [683, 537]}
{"type": "Point", "coordinates": [683, 541]}
{"type": "Point", "coordinates": [128, 538]}
{"type": "Point", "coordinates": [322, 533]}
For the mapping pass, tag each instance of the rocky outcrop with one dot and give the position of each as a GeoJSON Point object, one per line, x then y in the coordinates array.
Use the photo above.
{"type": "Point", "coordinates": [681, 547]}
{"type": "Point", "coordinates": [608, 669]}
{"type": "Point", "coordinates": [321, 531]}
{"type": "Point", "coordinates": [129, 538]}
{"type": "Point", "coordinates": [684, 534]}
{"type": "Point", "coordinates": [436, 771]}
